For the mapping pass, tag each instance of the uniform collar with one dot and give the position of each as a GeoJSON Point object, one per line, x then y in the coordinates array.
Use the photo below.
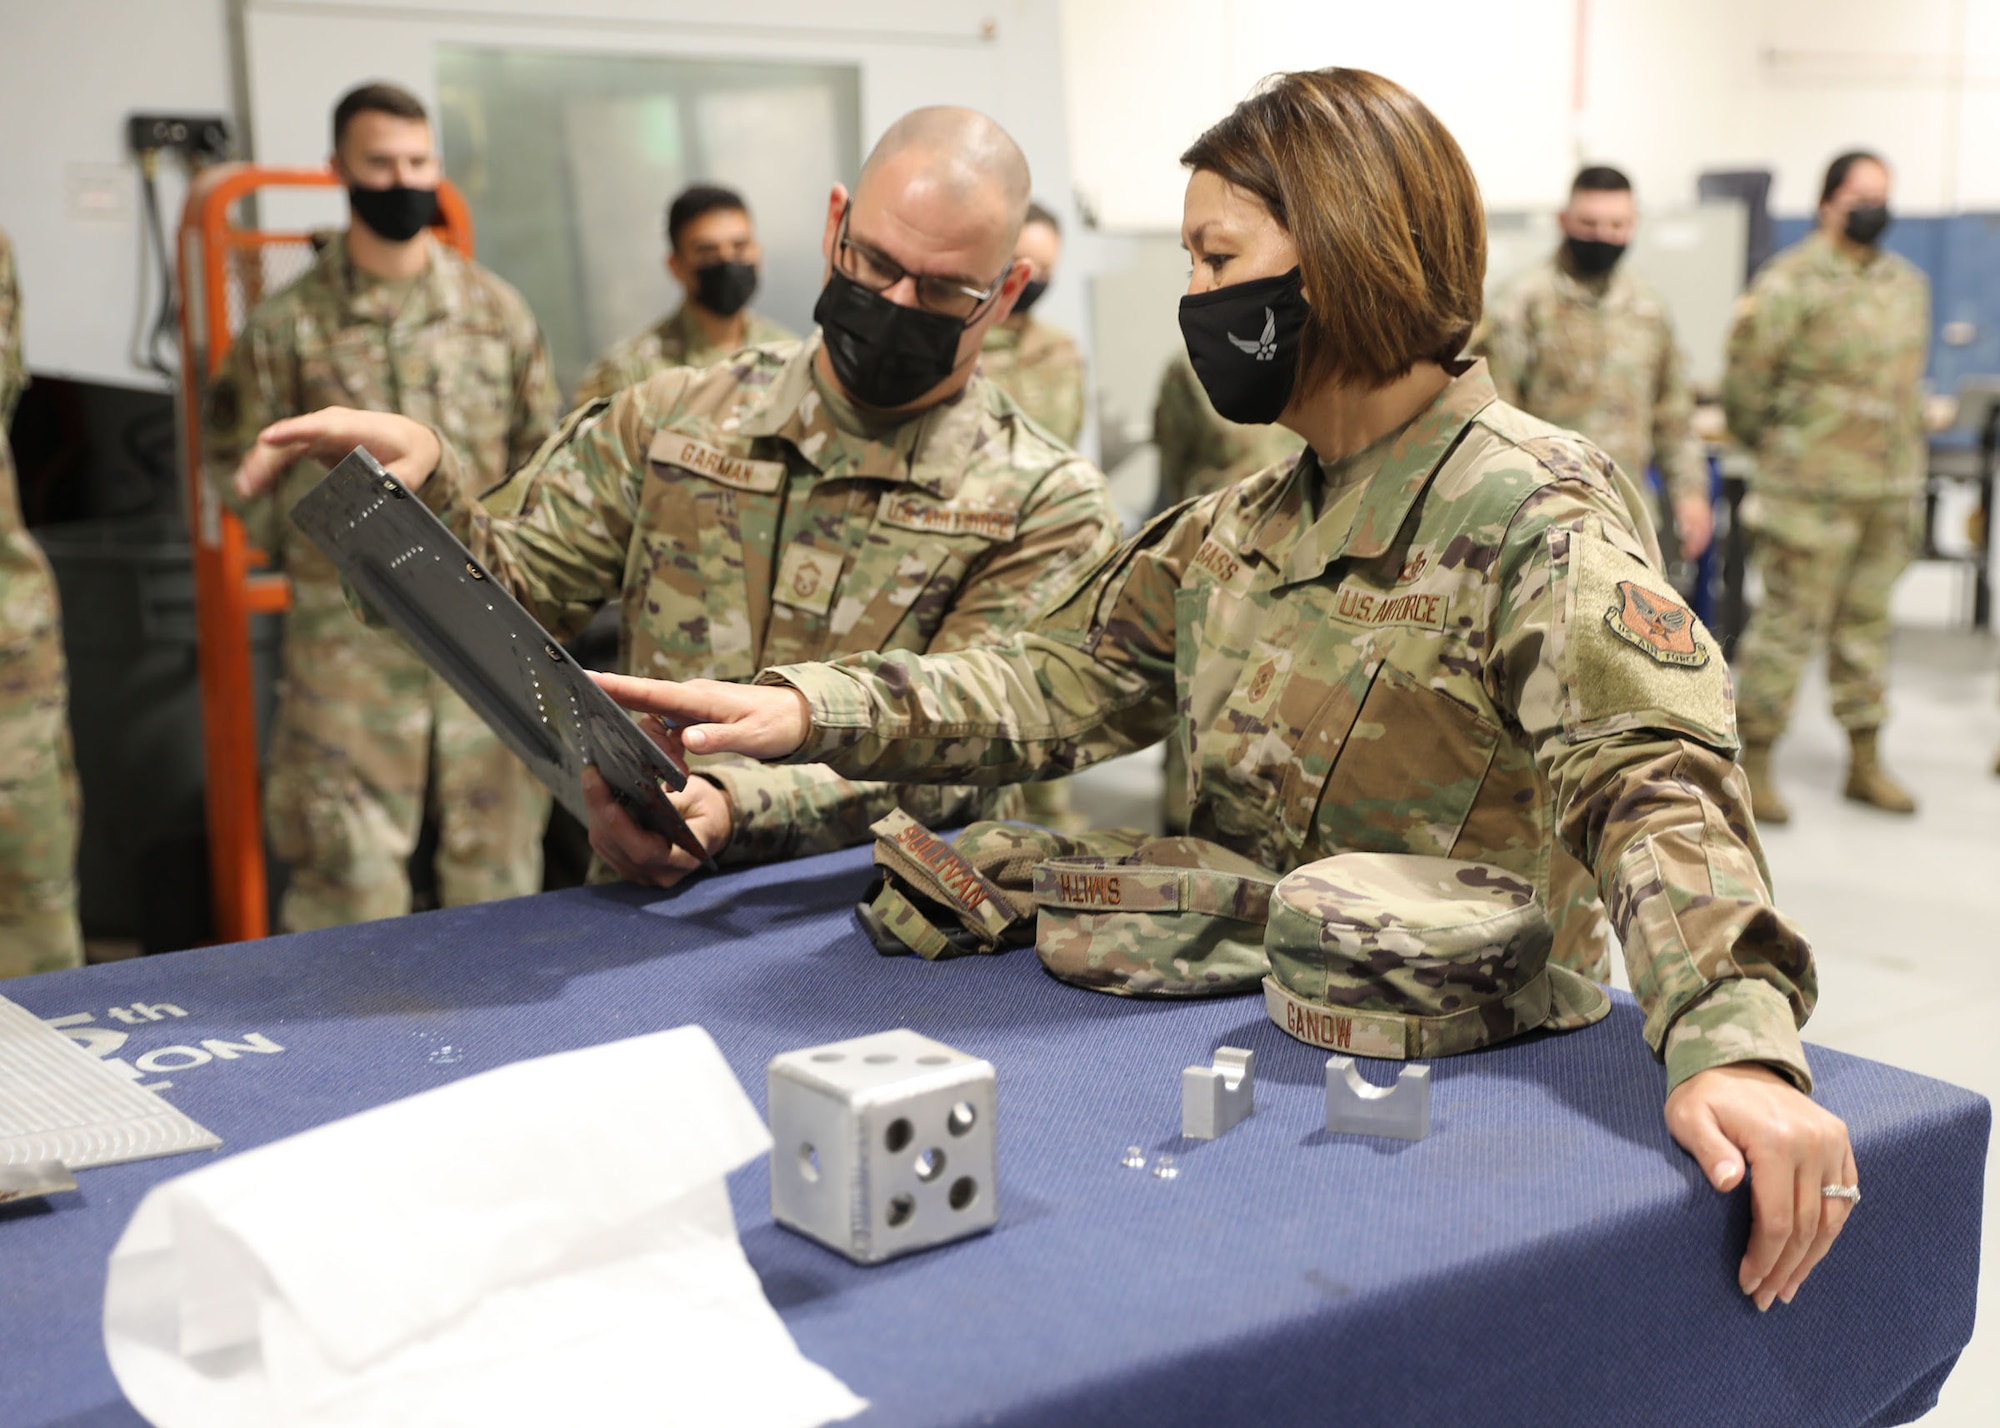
{"type": "Point", "coordinates": [1829, 256]}
{"type": "Point", "coordinates": [1406, 470]}
{"type": "Point", "coordinates": [1603, 292]}
{"type": "Point", "coordinates": [929, 450]}
{"type": "Point", "coordinates": [434, 294]}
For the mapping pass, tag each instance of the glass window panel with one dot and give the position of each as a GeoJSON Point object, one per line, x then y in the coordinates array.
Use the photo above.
{"type": "Point", "coordinates": [568, 162]}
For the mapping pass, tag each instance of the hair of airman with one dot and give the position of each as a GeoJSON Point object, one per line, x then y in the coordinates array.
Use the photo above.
{"type": "Point", "coordinates": [1382, 206]}
{"type": "Point", "coordinates": [694, 201]}
{"type": "Point", "coordinates": [1600, 178]}
{"type": "Point", "coordinates": [375, 98]}
{"type": "Point", "coordinates": [1837, 171]}
{"type": "Point", "coordinates": [1038, 214]}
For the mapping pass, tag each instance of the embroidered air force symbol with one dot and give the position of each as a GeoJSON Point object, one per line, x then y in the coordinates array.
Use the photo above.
{"type": "Point", "coordinates": [1657, 626]}
{"type": "Point", "coordinates": [1263, 348]}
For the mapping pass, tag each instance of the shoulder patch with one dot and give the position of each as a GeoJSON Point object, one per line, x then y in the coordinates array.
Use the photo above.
{"type": "Point", "coordinates": [1657, 625]}
{"type": "Point", "coordinates": [679, 450]}
{"type": "Point", "coordinates": [1628, 653]}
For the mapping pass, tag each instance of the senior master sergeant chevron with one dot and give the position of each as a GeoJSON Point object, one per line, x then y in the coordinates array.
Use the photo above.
{"type": "Point", "coordinates": [863, 490]}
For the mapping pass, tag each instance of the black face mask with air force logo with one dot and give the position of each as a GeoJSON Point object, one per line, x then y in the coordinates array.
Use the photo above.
{"type": "Point", "coordinates": [1244, 343]}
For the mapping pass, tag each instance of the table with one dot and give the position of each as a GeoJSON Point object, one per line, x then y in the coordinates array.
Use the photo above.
{"type": "Point", "coordinates": [1546, 1256]}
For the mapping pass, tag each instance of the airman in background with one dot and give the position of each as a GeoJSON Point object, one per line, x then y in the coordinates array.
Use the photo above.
{"type": "Point", "coordinates": [366, 737]}
{"type": "Point", "coordinates": [1037, 365]}
{"type": "Point", "coordinates": [1825, 389]}
{"type": "Point", "coordinates": [712, 252]}
{"type": "Point", "coordinates": [1582, 342]}
{"type": "Point", "coordinates": [865, 489]}
{"type": "Point", "coordinates": [40, 806]}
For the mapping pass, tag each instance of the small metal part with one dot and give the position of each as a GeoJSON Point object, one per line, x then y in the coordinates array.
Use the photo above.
{"type": "Point", "coordinates": [34, 1178]}
{"type": "Point", "coordinates": [1165, 1169]}
{"type": "Point", "coordinates": [549, 648]}
{"type": "Point", "coordinates": [1354, 1107]}
{"type": "Point", "coordinates": [1216, 1099]}
{"type": "Point", "coordinates": [1133, 1159]}
{"type": "Point", "coordinates": [474, 571]}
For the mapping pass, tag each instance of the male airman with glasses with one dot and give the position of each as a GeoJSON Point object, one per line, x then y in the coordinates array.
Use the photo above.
{"type": "Point", "coordinates": [865, 489]}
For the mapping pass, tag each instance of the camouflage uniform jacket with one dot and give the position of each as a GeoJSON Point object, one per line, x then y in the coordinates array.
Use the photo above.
{"type": "Point", "coordinates": [1202, 451]}
{"type": "Point", "coordinates": [458, 349]}
{"type": "Point", "coordinates": [1599, 358]}
{"type": "Point", "coordinates": [27, 587]}
{"type": "Point", "coordinates": [739, 525]}
{"type": "Point", "coordinates": [1466, 650]}
{"type": "Point", "coordinates": [676, 340]}
{"type": "Point", "coordinates": [1041, 369]}
{"type": "Point", "coordinates": [1826, 364]}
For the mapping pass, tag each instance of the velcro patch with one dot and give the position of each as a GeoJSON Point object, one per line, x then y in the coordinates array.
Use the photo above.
{"type": "Point", "coordinates": [921, 513]}
{"type": "Point", "coordinates": [905, 847]}
{"type": "Point", "coordinates": [1216, 561]}
{"type": "Point", "coordinates": [1363, 605]}
{"type": "Point", "coordinates": [1087, 885]}
{"type": "Point", "coordinates": [807, 579]}
{"type": "Point", "coordinates": [1364, 1033]}
{"type": "Point", "coordinates": [1657, 625]}
{"type": "Point", "coordinates": [679, 450]}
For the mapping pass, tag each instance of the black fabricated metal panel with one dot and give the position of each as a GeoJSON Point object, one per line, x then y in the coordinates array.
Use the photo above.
{"type": "Point", "coordinates": [415, 574]}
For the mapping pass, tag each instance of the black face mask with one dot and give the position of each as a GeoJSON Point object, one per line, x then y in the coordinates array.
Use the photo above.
{"type": "Point", "coordinates": [394, 214]}
{"type": "Point", "coordinates": [724, 288]}
{"type": "Point", "coordinates": [885, 354]}
{"type": "Point", "coordinates": [1593, 257]}
{"type": "Point", "coordinates": [1866, 222]}
{"type": "Point", "coordinates": [1031, 293]}
{"type": "Point", "coordinates": [1244, 343]}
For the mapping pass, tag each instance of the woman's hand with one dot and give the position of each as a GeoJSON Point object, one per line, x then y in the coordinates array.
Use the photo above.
{"type": "Point", "coordinates": [710, 716]}
{"type": "Point", "coordinates": [408, 449]}
{"type": "Point", "coordinates": [1730, 1116]}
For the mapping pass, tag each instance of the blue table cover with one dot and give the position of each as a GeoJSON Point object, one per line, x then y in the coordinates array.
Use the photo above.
{"type": "Point", "coordinates": [1547, 1256]}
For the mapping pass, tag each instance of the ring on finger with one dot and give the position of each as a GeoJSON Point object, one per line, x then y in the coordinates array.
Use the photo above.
{"type": "Point", "coordinates": [1850, 1193]}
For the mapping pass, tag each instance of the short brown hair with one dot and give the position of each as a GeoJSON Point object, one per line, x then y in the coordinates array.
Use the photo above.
{"type": "Point", "coordinates": [1382, 206]}
{"type": "Point", "coordinates": [378, 98]}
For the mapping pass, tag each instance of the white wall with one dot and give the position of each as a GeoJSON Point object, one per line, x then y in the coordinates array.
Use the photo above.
{"type": "Point", "coordinates": [70, 71]}
{"type": "Point", "coordinates": [1667, 88]}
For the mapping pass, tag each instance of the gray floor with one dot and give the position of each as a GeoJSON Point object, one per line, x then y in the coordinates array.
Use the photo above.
{"type": "Point", "coordinates": [1904, 913]}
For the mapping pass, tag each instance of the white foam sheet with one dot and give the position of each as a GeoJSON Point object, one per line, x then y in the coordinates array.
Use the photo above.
{"type": "Point", "coordinates": [550, 1242]}
{"type": "Point", "coordinates": [58, 1102]}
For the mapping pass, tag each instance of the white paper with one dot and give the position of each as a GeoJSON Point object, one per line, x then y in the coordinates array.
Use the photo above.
{"type": "Point", "coordinates": [58, 1102]}
{"type": "Point", "coordinates": [547, 1243]}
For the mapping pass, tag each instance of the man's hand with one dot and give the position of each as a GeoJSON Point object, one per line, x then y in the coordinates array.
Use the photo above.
{"type": "Point", "coordinates": [1730, 1115]}
{"type": "Point", "coordinates": [711, 716]}
{"type": "Point", "coordinates": [1694, 518]}
{"type": "Point", "coordinates": [409, 449]}
{"type": "Point", "coordinates": [640, 855]}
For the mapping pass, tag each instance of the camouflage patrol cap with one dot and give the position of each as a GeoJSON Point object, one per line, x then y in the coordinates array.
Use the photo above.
{"type": "Point", "coordinates": [1176, 917]}
{"type": "Point", "coordinates": [1398, 956]}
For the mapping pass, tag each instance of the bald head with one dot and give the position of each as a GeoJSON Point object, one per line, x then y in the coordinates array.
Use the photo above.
{"type": "Point", "coordinates": [946, 157]}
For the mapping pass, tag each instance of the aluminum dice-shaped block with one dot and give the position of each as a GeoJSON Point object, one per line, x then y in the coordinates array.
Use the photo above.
{"type": "Point", "coordinates": [882, 1145]}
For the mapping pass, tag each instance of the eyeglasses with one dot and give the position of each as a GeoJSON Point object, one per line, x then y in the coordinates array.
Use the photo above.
{"type": "Point", "coordinates": [947, 297]}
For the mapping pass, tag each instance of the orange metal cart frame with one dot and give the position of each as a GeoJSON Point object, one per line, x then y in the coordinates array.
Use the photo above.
{"type": "Point", "coordinates": [230, 584]}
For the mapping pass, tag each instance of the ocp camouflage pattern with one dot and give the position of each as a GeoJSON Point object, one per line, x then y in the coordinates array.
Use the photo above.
{"type": "Point", "coordinates": [1040, 367]}
{"type": "Point", "coordinates": [739, 520]}
{"type": "Point", "coordinates": [1409, 653]}
{"type": "Point", "coordinates": [363, 725]}
{"type": "Point", "coordinates": [1598, 357]}
{"type": "Point", "coordinates": [40, 804]}
{"type": "Point", "coordinates": [676, 340]}
{"type": "Point", "coordinates": [1824, 384]}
